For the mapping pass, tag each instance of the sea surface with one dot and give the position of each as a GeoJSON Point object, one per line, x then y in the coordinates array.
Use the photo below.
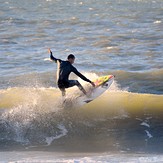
{"type": "Point", "coordinates": [119, 37]}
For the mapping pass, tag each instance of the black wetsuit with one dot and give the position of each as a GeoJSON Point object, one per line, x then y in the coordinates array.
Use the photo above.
{"type": "Point", "coordinates": [64, 70]}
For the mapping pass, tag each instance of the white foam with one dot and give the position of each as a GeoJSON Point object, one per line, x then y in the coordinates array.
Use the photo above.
{"type": "Point", "coordinates": [110, 47]}
{"type": "Point", "coordinates": [138, 119]}
{"type": "Point", "coordinates": [148, 134]}
{"type": "Point", "coordinates": [145, 124]}
{"type": "Point", "coordinates": [47, 59]}
{"type": "Point", "coordinates": [114, 87]}
{"type": "Point", "coordinates": [91, 8]}
{"type": "Point", "coordinates": [64, 132]}
{"type": "Point", "coordinates": [47, 157]}
{"type": "Point", "coordinates": [157, 22]}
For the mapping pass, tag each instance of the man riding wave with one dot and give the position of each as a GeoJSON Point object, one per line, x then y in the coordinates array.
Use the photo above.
{"type": "Point", "coordinates": [64, 70]}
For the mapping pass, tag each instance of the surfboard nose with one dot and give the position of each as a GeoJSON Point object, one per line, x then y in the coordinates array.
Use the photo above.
{"type": "Point", "coordinates": [111, 76]}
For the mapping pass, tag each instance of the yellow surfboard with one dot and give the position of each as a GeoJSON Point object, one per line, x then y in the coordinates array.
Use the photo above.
{"type": "Point", "coordinates": [101, 85]}
{"type": "Point", "coordinates": [102, 80]}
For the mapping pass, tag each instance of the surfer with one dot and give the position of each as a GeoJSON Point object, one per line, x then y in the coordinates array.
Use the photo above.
{"type": "Point", "coordinates": [64, 70]}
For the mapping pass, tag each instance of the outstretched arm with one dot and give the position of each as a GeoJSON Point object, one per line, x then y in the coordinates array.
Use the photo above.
{"type": "Point", "coordinates": [82, 76]}
{"type": "Point", "coordinates": [52, 57]}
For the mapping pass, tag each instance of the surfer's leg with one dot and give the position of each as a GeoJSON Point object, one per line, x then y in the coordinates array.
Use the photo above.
{"type": "Point", "coordinates": [81, 87]}
{"type": "Point", "coordinates": [75, 82]}
{"type": "Point", "coordinates": [61, 86]}
{"type": "Point", "coordinates": [63, 92]}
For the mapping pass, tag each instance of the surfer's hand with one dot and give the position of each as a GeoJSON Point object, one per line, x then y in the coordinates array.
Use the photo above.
{"type": "Point", "coordinates": [50, 52]}
{"type": "Point", "coordinates": [93, 84]}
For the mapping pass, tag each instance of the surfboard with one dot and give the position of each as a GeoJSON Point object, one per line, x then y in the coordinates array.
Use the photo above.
{"type": "Point", "coordinates": [103, 80]}
{"type": "Point", "coordinates": [101, 85]}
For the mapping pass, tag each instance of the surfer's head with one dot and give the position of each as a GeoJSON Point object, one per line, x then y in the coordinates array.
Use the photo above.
{"type": "Point", "coordinates": [71, 58]}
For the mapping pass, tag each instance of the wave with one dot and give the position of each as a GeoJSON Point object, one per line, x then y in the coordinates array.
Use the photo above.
{"type": "Point", "coordinates": [37, 117]}
{"type": "Point", "coordinates": [17, 96]}
{"type": "Point", "coordinates": [132, 103]}
{"type": "Point", "coordinates": [141, 82]}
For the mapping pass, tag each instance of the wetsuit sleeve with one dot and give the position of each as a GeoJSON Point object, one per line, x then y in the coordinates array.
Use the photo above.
{"type": "Point", "coordinates": [80, 75]}
{"type": "Point", "coordinates": [53, 58]}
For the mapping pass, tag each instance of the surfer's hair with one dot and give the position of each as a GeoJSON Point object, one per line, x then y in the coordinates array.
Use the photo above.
{"type": "Point", "coordinates": [71, 56]}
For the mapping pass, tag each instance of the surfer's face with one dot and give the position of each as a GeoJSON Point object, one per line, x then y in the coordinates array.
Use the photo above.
{"type": "Point", "coordinates": [71, 60]}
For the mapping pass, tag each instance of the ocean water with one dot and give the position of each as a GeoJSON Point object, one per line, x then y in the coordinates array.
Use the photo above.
{"type": "Point", "coordinates": [120, 37]}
